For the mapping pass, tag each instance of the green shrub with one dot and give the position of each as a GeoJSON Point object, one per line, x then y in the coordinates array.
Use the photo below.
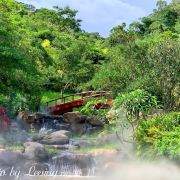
{"type": "Point", "coordinates": [135, 102]}
{"type": "Point", "coordinates": [90, 110]}
{"type": "Point", "coordinates": [160, 134]}
{"type": "Point", "coordinates": [168, 144]}
{"type": "Point", "coordinates": [49, 95]}
{"type": "Point", "coordinates": [3, 100]}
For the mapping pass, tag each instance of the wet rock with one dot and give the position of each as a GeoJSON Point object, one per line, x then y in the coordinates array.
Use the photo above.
{"type": "Point", "coordinates": [62, 132]}
{"type": "Point", "coordinates": [35, 151]}
{"type": "Point", "coordinates": [57, 138]}
{"type": "Point", "coordinates": [74, 117]}
{"type": "Point", "coordinates": [78, 128]}
{"type": "Point", "coordinates": [36, 120]}
{"type": "Point", "coordinates": [63, 126]}
{"type": "Point", "coordinates": [65, 147]}
{"type": "Point", "coordinates": [34, 117]}
{"type": "Point", "coordinates": [95, 122]}
{"type": "Point", "coordinates": [74, 143]}
{"type": "Point", "coordinates": [37, 138]}
{"type": "Point", "coordinates": [10, 158]}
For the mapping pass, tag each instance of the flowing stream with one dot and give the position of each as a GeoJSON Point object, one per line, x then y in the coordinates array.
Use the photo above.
{"type": "Point", "coordinates": [68, 163]}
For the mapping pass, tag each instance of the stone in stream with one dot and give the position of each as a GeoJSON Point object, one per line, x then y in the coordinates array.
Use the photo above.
{"type": "Point", "coordinates": [10, 158]}
{"type": "Point", "coordinates": [56, 138]}
{"type": "Point", "coordinates": [35, 151]}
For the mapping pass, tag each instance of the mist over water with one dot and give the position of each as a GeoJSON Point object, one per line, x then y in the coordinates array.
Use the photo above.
{"type": "Point", "coordinates": [132, 171]}
{"type": "Point", "coordinates": [137, 170]}
{"type": "Point", "coordinates": [131, 168]}
{"type": "Point", "coordinates": [123, 165]}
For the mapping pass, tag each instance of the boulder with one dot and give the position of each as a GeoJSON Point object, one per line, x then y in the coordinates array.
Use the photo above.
{"type": "Point", "coordinates": [62, 132]}
{"type": "Point", "coordinates": [95, 122]}
{"type": "Point", "coordinates": [78, 128]}
{"type": "Point", "coordinates": [57, 138]}
{"type": "Point", "coordinates": [46, 117]}
{"type": "Point", "coordinates": [74, 117]}
{"type": "Point", "coordinates": [34, 117]}
{"type": "Point", "coordinates": [10, 158]}
{"type": "Point", "coordinates": [35, 151]}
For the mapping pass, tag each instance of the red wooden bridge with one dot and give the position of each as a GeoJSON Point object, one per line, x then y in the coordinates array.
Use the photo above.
{"type": "Point", "coordinates": [65, 104]}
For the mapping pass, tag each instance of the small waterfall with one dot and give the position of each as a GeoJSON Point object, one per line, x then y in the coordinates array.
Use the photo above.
{"type": "Point", "coordinates": [68, 164]}
{"type": "Point", "coordinates": [45, 128]}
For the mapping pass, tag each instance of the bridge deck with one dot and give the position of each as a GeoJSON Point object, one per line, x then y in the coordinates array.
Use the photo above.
{"type": "Point", "coordinates": [60, 106]}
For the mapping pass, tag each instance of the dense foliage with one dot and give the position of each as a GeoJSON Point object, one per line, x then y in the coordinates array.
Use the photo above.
{"type": "Point", "coordinates": [44, 49]}
{"type": "Point", "coordinates": [45, 52]}
{"type": "Point", "coordinates": [145, 55]}
{"type": "Point", "coordinates": [136, 102]}
{"type": "Point", "coordinates": [160, 136]}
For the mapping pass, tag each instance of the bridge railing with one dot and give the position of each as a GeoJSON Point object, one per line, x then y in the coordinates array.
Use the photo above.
{"type": "Point", "coordinates": [79, 96]}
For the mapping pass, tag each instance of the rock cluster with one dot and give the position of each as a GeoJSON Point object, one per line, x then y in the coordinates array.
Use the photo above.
{"type": "Point", "coordinates": [71, 121]}
{"type": "Point", "coordinates": [34, 155]}
{"type": "Point", "coordinates": [57, 134]}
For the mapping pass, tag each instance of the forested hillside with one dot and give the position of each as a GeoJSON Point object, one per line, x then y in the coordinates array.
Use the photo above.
{"type": "Point", "coordinates": [44, 53]}
{"type": "Point", "coordinates": [44, 49]}
{"type": "Point", "coordinates": [145, 55]}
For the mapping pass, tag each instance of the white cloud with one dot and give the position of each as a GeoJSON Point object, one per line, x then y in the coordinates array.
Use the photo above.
{"type": "Point", "coordinates": [97, 15]}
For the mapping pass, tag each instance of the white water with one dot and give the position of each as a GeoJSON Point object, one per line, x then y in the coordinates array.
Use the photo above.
{"type": "Point", "coordinates": [69, 170]}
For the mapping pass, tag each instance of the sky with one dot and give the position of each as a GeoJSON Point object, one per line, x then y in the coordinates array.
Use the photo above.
{"type": "Point", "coordinates": [102, 15]}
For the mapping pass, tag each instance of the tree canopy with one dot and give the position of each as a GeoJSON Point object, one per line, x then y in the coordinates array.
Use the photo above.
{"type": "Point", "coordinates": [46, 49]}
